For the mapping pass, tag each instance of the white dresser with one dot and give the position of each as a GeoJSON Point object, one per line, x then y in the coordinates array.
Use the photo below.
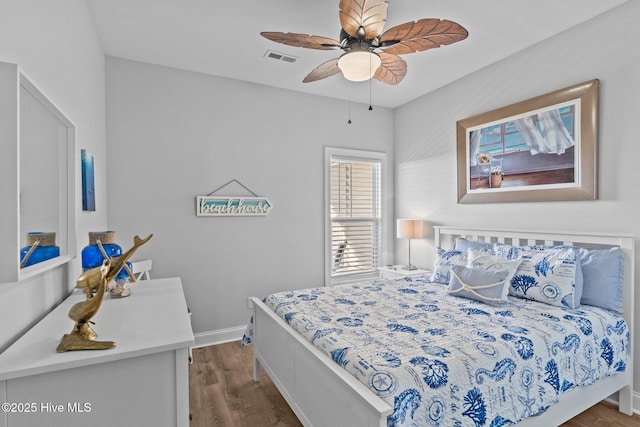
{"type": "Point", "coordinates": [143, 381]}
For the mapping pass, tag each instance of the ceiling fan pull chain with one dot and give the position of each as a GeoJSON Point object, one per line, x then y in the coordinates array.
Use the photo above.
{"type": "Point", "coordinates": [349, 91]}
{"type": "Point", "coordinates": [370, 107]}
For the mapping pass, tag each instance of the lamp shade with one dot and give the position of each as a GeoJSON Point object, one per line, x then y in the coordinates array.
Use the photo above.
{"type": "Point", "coordinates": [410, 229]}
{"type": "Point", "coordinates": [359, 65]}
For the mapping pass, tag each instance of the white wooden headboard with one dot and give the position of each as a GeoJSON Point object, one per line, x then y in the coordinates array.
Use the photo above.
{"type": "Point", "coordinates": [445, 237]}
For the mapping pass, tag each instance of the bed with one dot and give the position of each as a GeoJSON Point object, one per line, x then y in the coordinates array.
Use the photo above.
{"type": "Point", "coordinates": [316, 382]}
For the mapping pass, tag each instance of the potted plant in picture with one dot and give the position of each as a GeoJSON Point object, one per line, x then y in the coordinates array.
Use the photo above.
{"type": "Point", "coordinates": [496, 177]}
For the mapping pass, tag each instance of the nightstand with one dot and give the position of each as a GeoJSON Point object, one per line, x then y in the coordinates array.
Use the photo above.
{"type": "Point", "coordinates": [397, 272]}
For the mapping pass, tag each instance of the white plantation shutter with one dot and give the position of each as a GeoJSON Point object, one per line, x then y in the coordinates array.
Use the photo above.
{"type": "Point", "coordinates": [355, 196]}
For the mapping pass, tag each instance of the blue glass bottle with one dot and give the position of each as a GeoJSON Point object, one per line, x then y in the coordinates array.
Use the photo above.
{"type": "Point", "coordinates": [92, 255]}
{"type": "Point", "coordinates": [44, 250]}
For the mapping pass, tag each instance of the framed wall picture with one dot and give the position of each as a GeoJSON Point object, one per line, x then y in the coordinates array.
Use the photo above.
{"type": "Point", "coordinates": [541, 149]}
{"type": "Point", "coordinates": [88, 183]}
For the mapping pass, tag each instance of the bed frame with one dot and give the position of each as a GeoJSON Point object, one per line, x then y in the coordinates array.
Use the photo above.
{"type": "Point", "coordinates": [321, 393]}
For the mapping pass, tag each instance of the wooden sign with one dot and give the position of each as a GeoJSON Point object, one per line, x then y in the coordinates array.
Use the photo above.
{"type": "Point", "coordinates": [232, 206]}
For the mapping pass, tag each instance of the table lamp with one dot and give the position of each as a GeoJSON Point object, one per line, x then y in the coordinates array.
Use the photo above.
{"type": "Point", "coordinates": [410, 229]}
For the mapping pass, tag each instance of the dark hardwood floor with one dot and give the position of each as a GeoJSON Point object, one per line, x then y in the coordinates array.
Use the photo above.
{"type": "Point", "coordinates": [223, 394]}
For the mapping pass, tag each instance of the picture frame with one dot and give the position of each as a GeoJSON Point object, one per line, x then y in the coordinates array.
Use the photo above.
{"type": "Point", "coordinates": [88, 183]}
{"type": "Point", "coordinates": [541, 149]}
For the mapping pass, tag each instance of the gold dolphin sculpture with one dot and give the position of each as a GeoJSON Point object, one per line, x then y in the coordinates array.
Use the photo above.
{"type": "Point", "coordinates": [82, 336]}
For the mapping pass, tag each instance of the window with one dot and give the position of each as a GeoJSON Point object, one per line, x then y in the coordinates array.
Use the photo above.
{"type": "Point", "coordinates": [505, 137]}
{"type": "Point", "coordinates": [354, 190]}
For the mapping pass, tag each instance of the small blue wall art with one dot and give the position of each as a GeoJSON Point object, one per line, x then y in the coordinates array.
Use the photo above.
{"type": "Point", "coordinates": [88, 184]}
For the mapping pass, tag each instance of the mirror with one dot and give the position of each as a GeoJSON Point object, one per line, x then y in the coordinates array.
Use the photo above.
{"type": "Point", "coordinates": [39, 147]}
{"type": "Point", "coordinates": [46, 144]}
{"type": "Point", "coordinates": [40, 182]}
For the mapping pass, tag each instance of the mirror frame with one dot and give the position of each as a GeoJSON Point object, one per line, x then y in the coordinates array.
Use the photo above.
{"type": "Point", "coordinates": [12, 79]}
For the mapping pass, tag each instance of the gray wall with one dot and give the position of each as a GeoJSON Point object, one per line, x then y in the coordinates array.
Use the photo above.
{"type": "Point", "coordinates": [56, 46]}
{"type": "Point", "coordinates": [173, 135]}
{"type": "Point", "coordinates": [425, 139]}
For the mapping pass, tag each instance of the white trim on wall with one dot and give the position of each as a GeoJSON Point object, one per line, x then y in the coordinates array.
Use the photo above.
{"type": "Point", "coordinates": [220, 336]}
{"type": "Point", "coordinates": [636, 402]}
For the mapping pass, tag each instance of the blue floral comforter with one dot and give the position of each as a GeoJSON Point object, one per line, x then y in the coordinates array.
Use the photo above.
{"type": "Point", "coordinates": [448, 361]}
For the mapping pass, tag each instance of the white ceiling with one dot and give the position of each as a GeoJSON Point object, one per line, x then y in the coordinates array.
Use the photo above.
{"type": "Point", "coordinates": [222, 37]}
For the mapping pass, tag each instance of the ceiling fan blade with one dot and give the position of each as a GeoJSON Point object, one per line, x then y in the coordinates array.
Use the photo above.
{"type": "Point", "coordinates": [302, 40]}
{"type": "Point", "coordinates": [392, 69]}
{"type": "Point", "coordinates": [369, 14]}
{"type": "Point", "coordinates": [421, 35]}
{"type": "Point", "coordinates": [323, 71]}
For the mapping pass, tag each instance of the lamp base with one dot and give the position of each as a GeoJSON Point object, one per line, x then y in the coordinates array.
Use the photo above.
{"type": "Point", "coordinates": [410, 267]}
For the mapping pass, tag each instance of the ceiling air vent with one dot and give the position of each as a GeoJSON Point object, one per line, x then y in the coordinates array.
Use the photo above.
{"type": "Point", "coordinates": [280, 56]}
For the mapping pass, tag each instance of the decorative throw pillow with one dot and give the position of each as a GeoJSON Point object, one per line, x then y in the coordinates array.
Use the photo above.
{"type": "Point", "coordinates": [603, 271]}
{"type": "Point", "coordinates": [443, 263]}
{"type": "Point", "coordinates": [546, 274]}
{"type": "Point", "coordinates": [484, 260]}
{"type": "Point", "coordinates": [479, 285]}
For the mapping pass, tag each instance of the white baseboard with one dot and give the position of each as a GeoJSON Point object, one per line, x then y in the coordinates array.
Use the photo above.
{"type": "Point", "coordinates": [636, 402]}
{"type": "Point", "coordinates": [220, 336]}
{"type": "Point", "coordinates": [613, 399]}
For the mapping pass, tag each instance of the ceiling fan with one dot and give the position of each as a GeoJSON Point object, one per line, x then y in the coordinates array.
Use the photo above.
{"type": "Point", "coordinates": [368, 52]}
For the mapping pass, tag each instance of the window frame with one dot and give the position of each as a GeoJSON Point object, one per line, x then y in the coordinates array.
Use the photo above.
{"type": "Point", "coordinates": [385, 217]}
{"type": "Point", "coordinates": [504, 133]}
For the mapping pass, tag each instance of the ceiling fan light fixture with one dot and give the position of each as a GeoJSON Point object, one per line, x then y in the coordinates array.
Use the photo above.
{"type": "Point", "coordinates": [369, 50]}
{"type": "Point", "coordinates": [359, 65]}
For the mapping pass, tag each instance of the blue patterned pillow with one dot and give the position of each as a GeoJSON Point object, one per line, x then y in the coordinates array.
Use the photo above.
{"type": "Point", "coordinates": [549, 275]}
{"type": "Point", "coordinates": [444, 261]}
{"type": "Point", "coordinates": [480, 285]}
